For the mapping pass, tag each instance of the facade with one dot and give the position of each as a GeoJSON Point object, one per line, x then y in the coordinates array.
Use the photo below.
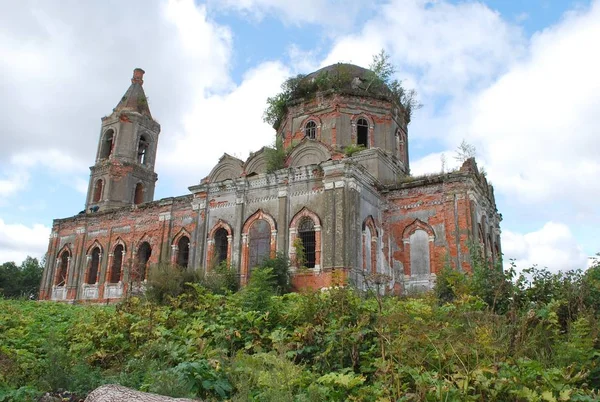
{"type": "Point", "coordinates": [360, 217]}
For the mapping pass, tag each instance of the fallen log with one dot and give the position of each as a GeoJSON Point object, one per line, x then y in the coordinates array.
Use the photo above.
{"type": "Point", "coordinates": [118, 393]}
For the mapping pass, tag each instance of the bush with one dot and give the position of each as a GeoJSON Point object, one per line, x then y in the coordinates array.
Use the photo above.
{"type": "Point", "coordinates": [221, 279]}
{"type": "Point", "coordinates": [168, 280]}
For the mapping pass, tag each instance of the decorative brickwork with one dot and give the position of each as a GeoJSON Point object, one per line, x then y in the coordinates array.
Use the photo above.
{"type": "Point", "coordinates": [361, 215]}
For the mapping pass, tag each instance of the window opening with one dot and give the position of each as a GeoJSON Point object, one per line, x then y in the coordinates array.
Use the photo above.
{"type": "Point", "coordinates": [259, 242]}
{"type": "Point", "coordinates": [367, 258]}
{"type": "Point", "coordinates": [306, 232]}
{"type": "Point", "coordinates": [115, 273]}
{"type": "Point", "coordinates": [107, 144]}
{"type": "Point", "coordinates": [142, 155]}
{"type": "Point", "coordinates": [362, 133]}
{"type": "Point", "coordinates": [95, 264]}
{"type": "Point", "coordinates": [221, 244]}
{"type": "Point", "coordinates": [183, 251]}
{"type": "Point", "coordinates": [310, 130]}
{"type": "Point", "coordinates": [419, 253]}
{"type": "Point", "coordinates": [98, 191]}
{"type": "Point", "coordinates": [143, 256]}
{"type": "Point", "coordinates": [61, 278]}
{"type": "Point", "coordinates": [138, 197]}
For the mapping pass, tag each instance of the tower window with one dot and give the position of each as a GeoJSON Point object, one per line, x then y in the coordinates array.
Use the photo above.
{"type": "Point", "coordinates": [221, 245]}
{"type": "Point", "coordinates": [306, 232]}
{"type": "Point", "coordinates": [107, 144]}
{"type": "Point", "coordinates": [115, 273]}
{"type": "Point", "coordinates": [362, 133]}
{"type": "Point", "coordinates": [183, 251]}
{"type": "Point", "coordinates": [61, 277]}
{"type": "Point", "coordinates": [310, 130]}
{"type": "Point", "coordinates": [98, 191]}
{"type": "Point", "coordinates": [94, 266]}
{"type": "Point", "coordinates": [142, 154]}
{"type": "Point", "coordinates": [138, 197]}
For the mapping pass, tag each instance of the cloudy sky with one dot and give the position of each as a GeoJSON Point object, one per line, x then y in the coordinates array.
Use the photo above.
{"type": "Point", "coordinates": [520, 80]}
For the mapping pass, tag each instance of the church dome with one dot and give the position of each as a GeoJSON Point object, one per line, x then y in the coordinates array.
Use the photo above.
{"type": "Point", "coordinates": [341, 77]}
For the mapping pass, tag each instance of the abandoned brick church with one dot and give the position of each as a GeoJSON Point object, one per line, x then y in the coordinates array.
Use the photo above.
{"type": "Point", "coordinates": [356, 214]}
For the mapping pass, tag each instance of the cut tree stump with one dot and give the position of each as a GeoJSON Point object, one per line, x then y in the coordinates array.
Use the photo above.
{"type": "Point", "coordinates": [118, 393]}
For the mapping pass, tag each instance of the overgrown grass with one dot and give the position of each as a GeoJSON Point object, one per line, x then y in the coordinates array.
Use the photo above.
{"type": "Point", "coordinates": [534, 341]}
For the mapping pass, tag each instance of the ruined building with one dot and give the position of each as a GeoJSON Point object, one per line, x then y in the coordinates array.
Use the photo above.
{"type": "Point", "coordinates": [358, 215]}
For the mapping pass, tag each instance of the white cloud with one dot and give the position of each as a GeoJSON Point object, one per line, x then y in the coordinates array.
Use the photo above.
{"type": "Point", "coordinates": [63, 70]}
{"type": "Point", "coordinates": [537, 125]}
{"type": "Point", "coordinates": [229, 123]}
{"type": "Point", "coordinates": [553, 247]}
{"type": "Point", "coordinates": [18, 241]}
{"type": "Point", "coordinates": [442, 47]}
{"type": "Point", "coordinates": [13, 182]}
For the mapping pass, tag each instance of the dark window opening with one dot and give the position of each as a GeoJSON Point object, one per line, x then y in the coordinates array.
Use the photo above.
{"type": "Point", "coordinates": [306, 232]}
{"type": "Point", "coordinates": [141, 266]}
{"type": "Point", "coordinates": [362, 133]}
{"type": "Point", "coordinates": [142, 154]}
{"type": "Point", "coordinates": [138, 197]}
{"type": "Point", "coordinates": [107, 144]}
{"type": "Point", "coordinates": [311, 130]}
{"type": "Point", "coordinates": [259, 243]}
{"type": "Point", "coordinates": [221, 245]}
{"type": "Point", "coordinates": [61, 278]}
{"type": "Point", "coordinates": [94, 266]}
{"type": "Point", "coordinates": [183, 251]}
{"type": "Point", "coordinates": [98, 191]}
{"type": "Point", "coordinates": [115, 273]}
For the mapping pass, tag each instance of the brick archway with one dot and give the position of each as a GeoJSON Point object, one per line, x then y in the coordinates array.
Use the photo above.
{"type": "Point", "coordinates": [258, 215]}
{"type": "Point", "coordinates": [369, 245]}
{"type": "Point", "coordinates": [415, 226]}
{"type": "Point", "coordinates": [305, 213]}
{"type": "Point", "coordinates": [210, 254]}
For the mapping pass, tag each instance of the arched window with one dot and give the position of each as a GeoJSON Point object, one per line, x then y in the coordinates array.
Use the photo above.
{"type": "Point", "coordinates": [306, 232]}
{"type": "Point", "coordinates": [419, 253]}
{"type": "Point", "coordinates": [138, 197]}
{"type": "Point", "coordinates": [98, 190]}
{"type": "Point", "coordinates": [367, 250]}
{"type": "Point", "coordinates": [362, 133]}
{"type": "Point", "coordinates": [310, 130]}
{"type": "Point", "coordinates": [141, 266]}
{"type": "Point", "coordinates": [183, 251]}
{"type": "Point", "coordinates": [117, 265]}
{"type": "Point", "coordinates": [221, 245]}
{"type": "Point", "coordinates": [92, 277]}
{"type": "Point", "coordinates": [63, 266]}
{"type": "Point", "coordinates": [259, 238]}
{"type": "Point", "coordinates": [107, 144]}
{"type": "Point", "coordinates": [142, 154]}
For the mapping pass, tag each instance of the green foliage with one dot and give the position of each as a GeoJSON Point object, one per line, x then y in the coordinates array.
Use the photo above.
{"type": "Point", "coordinates": [221, 279]}
{"type": "Point", "coordinates": [277, 105]}
{"type": "Point", "coordinates": [353, 148]}
{"type": "Point", "coordinates": [21, 281]}
{"type": "Point", "coordinates": [535, 339]}
{"type": "Point", "coordinates": [280, 266]}
{"type": "Point", "coordinates": [275, 156]}
{"type": "Point", "coordinates": [168, 281]}
{"type": "Point", "coordinates": [384, 70]}
{"type": "Point", "coordinates": [299, 254]}
{"type": "Point", "coordinates": [337, 78]}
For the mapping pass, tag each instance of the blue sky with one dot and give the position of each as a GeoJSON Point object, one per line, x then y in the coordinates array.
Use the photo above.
{"type": "Point", "coordinates": [516, 79]}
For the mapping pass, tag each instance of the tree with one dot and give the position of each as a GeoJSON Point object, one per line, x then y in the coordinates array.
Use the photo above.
{"type": "Point", "coordinates": [21, 281]}
{"type": "Point", "coordinates": [465, 151]}
{"type": "Point", "coordinates": [384, 70]}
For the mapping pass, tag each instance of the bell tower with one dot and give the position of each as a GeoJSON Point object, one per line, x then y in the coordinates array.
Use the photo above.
{"type": "Point", "coordinates": [124, 170]}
